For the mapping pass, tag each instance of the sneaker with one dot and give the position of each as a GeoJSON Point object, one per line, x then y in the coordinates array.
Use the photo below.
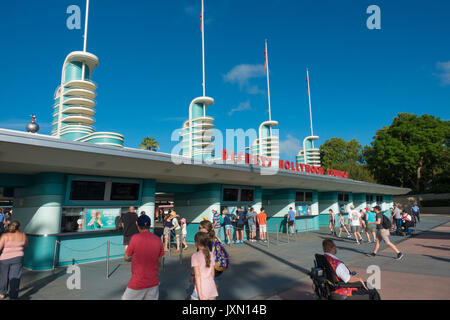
{"type": "Point", "coordinates": [371, 254]}
{"type": "Point", "coordinates": [357, 242]}
{"type": "Point", "coordinates": [349, 236]}
{"type": "Point", "coordinates": [399, 256]}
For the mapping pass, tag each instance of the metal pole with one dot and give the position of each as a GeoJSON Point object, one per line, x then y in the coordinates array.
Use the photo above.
{"type": "Point", "coordinates": [54, 255]}
{"type": "Point", "coordinates": [268, 84]}
{"type": "Point", "coordinates": [203, 50]}
{"type": "Point", "coordinates": [107, 259]}
{"type": "Point", "coordinates": [277, 234]}
{"type": "Point", "coordinates": [268, 240]}
{"type": "Point", "coordinates": [287, 231]}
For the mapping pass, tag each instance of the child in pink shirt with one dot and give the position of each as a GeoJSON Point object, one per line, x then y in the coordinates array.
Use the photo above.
{"type": "Point", "coordinates": [202, 263]}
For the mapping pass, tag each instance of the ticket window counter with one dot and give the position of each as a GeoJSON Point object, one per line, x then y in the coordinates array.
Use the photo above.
{"type": "Point", "coordinates": [303, 208]}
{"type": "Point", "coordinates": [96, 203]}
{"type": "Point", "coordinates": [85, 219]}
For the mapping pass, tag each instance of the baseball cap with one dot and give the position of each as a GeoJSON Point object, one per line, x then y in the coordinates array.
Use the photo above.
{"type": "Point", "coordinates": [144, 221]}
{"type": "Point", "coordinates": [377, 207]}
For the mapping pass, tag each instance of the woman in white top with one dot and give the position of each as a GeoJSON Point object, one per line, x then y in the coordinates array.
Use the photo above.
{"type": "Point", "coordinates": [183, 233]}
{"type": "Point", "coordinates": [176, 227]}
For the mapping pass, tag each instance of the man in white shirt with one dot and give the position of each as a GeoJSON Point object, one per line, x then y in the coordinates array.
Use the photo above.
{"type": "Point", "coordinates": [343, 274]}
{"type": "Point", "coordinates": [355, 222]}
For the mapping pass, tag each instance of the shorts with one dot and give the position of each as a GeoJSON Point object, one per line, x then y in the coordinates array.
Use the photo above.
{"type": "Point", "coordinates": [370, 228]}
{"type": "Point", "coordinates": [144, 294]}
{"type": "Point", "coordinates": [239, 227]}
{"type": "Point", "coordinates": [228, 227]}
{"type": "Point", "coordinates": [126, 240]}
{"type": "Point", "coordinates": [166, 230]}
{"type": "Point", "coordinates": [252, 227]}
{"type": "Point", "coordinates": [356, 229]}
{"type": "Point", "coordinates": [263, 228]}
{"type": "Point", "coordinates": [177, 232]}
{"type": "Point", "coordinates": [290, 223]}
{"type": "Point", "coordinates": [383, 235]}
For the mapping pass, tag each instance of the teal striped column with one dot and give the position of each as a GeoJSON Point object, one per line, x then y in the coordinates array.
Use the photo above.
{"type": "Point", "coordinates": [38, 208]}
{"type": "Point", "coordinates": [359, 201]}
{"type": "Point", "coordinates": [148, 199]}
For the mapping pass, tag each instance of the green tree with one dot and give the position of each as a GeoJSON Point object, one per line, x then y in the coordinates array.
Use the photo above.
{"type": "Point", "coordinates": [149, 144]}
{"type": "Point", "coordinates": [339, 154]}
{"type": "Point", "coordinates": [412, 152]}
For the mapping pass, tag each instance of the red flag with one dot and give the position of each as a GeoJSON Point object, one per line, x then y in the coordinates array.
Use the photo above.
{"type": "Point", "coordinates": [265, 59]}
{"type": "Point", "coordinates": [307, 82]}
{"type": "Point", "coordinates": [201, 21]}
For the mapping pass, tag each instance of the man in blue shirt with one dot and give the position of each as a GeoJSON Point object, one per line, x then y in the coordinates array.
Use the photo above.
{"type": "Point", "coordinates": [416, 212]}
{"type": "Point", "coordinates": [291, 219]}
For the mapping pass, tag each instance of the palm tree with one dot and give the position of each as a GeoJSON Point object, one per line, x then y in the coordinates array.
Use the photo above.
{"type": "Point", "coordinates": [149, 144]}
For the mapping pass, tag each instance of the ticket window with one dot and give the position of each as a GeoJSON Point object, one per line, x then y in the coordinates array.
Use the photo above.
{"type": "Point", "coordinates": [303, 203]}
{"type": "Point", "coordinates": [343, 200]}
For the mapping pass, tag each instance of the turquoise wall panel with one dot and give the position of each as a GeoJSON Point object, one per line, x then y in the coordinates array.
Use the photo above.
{"type": "Point", "coordinates": [73, 71]}
{"type": "Point", "coordinates": [39, 253]}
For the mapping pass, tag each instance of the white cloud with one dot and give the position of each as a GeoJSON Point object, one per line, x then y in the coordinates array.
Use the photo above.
{"type": "Point", "coordinates": [290, 146]}
{"type": "Point", "coordinates": [241, 107]}
{"type": "Point", "coordinates": [241, 74]}
{"type": "Point", "coordinates": [445, 75]}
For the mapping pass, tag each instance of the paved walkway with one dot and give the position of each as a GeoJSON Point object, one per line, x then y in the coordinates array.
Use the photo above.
{"type": "Point", "coordinates": [275, 272]}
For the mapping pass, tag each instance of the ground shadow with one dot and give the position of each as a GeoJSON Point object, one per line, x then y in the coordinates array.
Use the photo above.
{"type": "Point", "coordinates": [437, 258]}
{"type": "Point", "coordinates": [37, 285]}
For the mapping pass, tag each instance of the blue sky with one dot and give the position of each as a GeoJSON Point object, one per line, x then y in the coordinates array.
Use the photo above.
{"type": "Point", "coordinates": [150, 64]}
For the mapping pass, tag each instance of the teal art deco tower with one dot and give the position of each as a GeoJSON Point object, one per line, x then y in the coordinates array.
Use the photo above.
{"type": "Point", "coordinates": [73, 109]}
{"type": "Point", "coordinates": [196, 134]}
{"type": "Point", "coordinates": [309, 155]}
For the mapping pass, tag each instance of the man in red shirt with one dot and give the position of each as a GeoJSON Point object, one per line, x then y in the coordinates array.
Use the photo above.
{"type": "Point", "coordinates": [145, 252]}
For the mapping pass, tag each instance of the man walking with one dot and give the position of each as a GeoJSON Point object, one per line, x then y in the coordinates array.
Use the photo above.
{"type": "Point", "coordinates": [145, 252]}
{"type": "Point", "coordinates": [355, 221]}
{"type": "Point", "coordinates": [291, 219]}
{"type": "Point", "coordinates": [416, 212]}
{"type": "Point", "coordinates": [382, 222]}
{"type": "Point", "coordinates": [129, 225]}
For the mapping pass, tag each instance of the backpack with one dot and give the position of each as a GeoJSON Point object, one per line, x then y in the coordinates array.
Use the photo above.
{"type": "Point", "coordinates": [118, 222]}
{"type": "Point", "coordinates": [222, 259]}
{"type": "Point", "coordinates": [386, 223]}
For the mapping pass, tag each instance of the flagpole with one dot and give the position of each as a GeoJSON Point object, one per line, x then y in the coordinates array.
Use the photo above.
{"type": "Point", "coordinates": [83, 68]}
{"type": "Point", "coordinates": [86, 26]}
{"type": "Point", "coordinates": [268, 84]}
{"type": "Point", "coordinates": [203, 47]}
{"type": "Point", "coordinates": [309, 98]}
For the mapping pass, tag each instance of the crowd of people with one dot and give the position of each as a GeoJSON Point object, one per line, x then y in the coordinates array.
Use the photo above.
{"type": "Point", "coordinates": [146, 250]}
{"type": "Point", "coordinates": [374, 225]}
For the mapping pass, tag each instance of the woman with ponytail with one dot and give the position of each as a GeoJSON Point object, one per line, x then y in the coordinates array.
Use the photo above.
{"type": "Point", "coordinates": [202, 263]}
{"type": "Point", "coordinates": [11, 260]}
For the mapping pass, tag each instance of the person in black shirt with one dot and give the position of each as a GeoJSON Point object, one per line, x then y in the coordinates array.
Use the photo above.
{"type": "Point", "coordinates": [129, 226]}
